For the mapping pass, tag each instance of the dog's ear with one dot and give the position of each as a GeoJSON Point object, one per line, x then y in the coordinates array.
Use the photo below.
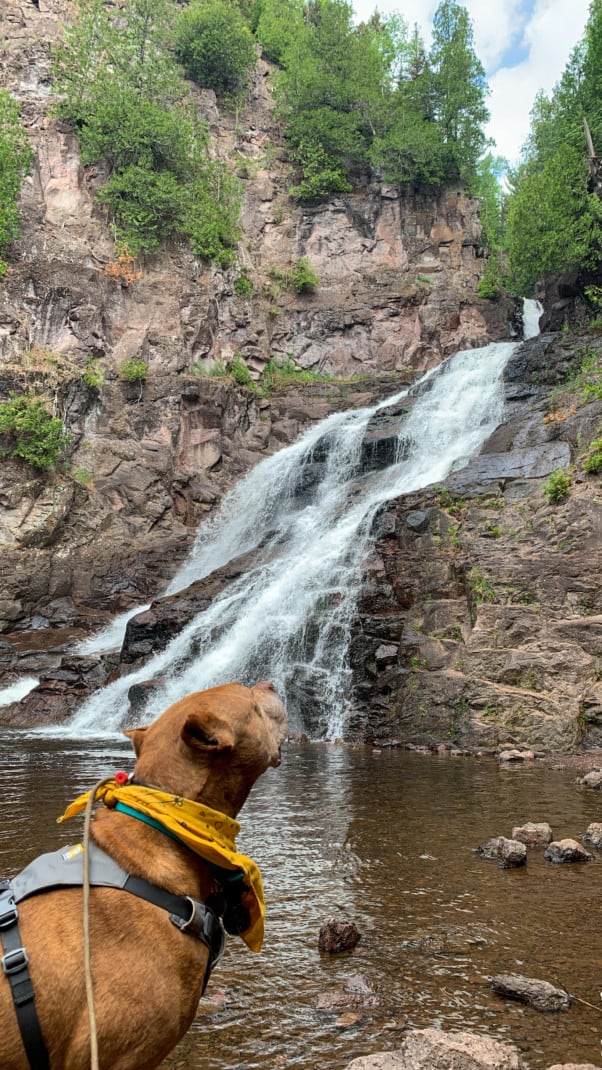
{"type": "Point", "coordinates": [137, 736]}
{"type": "Point", "coordinates": [205, 731]}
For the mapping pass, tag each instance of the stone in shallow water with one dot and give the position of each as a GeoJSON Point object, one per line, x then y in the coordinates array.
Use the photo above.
{"type": "Point", "coordinates": [567, 851]}
{"type": "Point", "coordinates": [593, 835]}
{"type": "Point", "coordinates": [337, 934]}
{"type": "Point", "coordinates": [432, 1049]}
{"type": "Point", "coordinates": [593, 779]}
{"type": "Point", "coordinates": [533, 834]}
{"type": "Point", "coordinates": [510, 853]}
{"type": "Point", "coordinates": [538, 994]}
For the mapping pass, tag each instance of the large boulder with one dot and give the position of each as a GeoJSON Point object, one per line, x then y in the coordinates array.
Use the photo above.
{"type": "Point", "coordinates": [431, 1049]}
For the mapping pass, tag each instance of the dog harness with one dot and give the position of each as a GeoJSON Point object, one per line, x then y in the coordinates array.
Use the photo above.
{"type": "Point", "coordinates": [64, 869]}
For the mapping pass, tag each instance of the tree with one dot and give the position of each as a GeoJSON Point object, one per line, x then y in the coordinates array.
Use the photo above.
{"type": "Point", "coordinates": [119, 84]}
{"type": "Point", "coordinates": [459, 89]}
{"type": "Point", "coordinates": [278, 24]}
{"type": "Point", "coordinates": [554, 218]}
{"type": "Point", "coordinates": [15, 158]}
{"type": "Point", "coordinates": [215, 46]}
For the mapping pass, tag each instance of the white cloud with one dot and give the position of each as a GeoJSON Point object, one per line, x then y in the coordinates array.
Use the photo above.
{"type": "Point", "coordinates": [547, 30]}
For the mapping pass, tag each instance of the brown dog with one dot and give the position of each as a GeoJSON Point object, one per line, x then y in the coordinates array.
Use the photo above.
{"type": "Point", "coordinates": [209, 747]}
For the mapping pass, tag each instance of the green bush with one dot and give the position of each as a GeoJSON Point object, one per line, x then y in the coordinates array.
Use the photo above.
{"type": "Point", "coordinates": [593, 459]}
{"type": "Point", "coordinates": [215, 46]}
{"type": "Point", "coordinates": [243, 287]}
{"type": "Point", "coordinates": [15, 158]}
{"type": "Point", "coordinates": [31, 432]}
{"type": "Point", "coordinates": [304, 278]}
{"type": "Point", "coordinates": [133, 371]}
{"type": "Point", "coordinates": [118, 83]}
{"type": "Point", "coordinates": [558, 486]}
{"type": "Point", "coordinates": [239, 372]}
{"type": "Point", "coordinates": [490, 286]}
{"type": "Point", "coordinates": [93, 376]}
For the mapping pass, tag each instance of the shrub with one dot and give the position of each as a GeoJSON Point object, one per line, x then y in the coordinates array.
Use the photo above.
{"type": "Point", "coordinates": [31, 432]}
{"type": "Point", "coordinates": [304, 278]}
{"type": "Point", "coordinates": [15, 157]}
{"type": "Point", "coordinates": [93, 376]}
{"type": "Point", "coordinates": [593, 459]}
{"type": "Point", "coordinates": [239, 372]}
{"type": "Point", "coordinates": [558, 486]}
{"type": "Point", "coordinates": [243, 287]}
{"type": "Point", "coordinates": [215, 46]}
{"type": "Point", "coordinates": [490, 286]}
{"type": "Point", "coordinates": [133, 371]}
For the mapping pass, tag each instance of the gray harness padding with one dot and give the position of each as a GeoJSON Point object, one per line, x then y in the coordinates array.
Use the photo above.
{"type": "Point", "coordinates": [65, 868]}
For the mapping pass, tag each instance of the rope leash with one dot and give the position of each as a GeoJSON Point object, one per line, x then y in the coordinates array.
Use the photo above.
{"type": "Point", "coordinates": [94, 1065]}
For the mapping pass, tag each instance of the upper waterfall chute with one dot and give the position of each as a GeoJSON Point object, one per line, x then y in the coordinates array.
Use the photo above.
{"type": "Point", "coordinates": [532, 311]}
{"type": "Point", "coordinates": [289, 619]}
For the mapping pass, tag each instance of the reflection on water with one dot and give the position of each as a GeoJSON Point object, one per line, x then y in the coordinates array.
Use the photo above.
{"type": "Point", "coordinates": [385, 839]}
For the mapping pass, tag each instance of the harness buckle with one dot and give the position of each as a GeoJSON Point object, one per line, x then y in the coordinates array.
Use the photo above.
{"type": "Point", "coordinates": [15, 960]}
{"type": "Point", "coordinates": [8, 911]}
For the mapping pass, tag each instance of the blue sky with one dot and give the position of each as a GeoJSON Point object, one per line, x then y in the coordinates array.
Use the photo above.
{"type": "Point", "coordinates": [523, 45]}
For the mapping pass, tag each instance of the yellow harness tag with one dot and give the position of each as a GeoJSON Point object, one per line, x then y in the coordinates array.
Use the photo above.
{"type": "Point", "coordinates": [72, 852]}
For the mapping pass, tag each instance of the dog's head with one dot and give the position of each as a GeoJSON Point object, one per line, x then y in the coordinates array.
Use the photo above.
{"type": "Point", "coordinates": [213, 745]}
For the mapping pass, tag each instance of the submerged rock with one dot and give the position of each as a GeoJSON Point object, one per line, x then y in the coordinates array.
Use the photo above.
{"type": "Point", "coordinates": [356, 995]}
{"type": "Point", "coordinates": [510, 853]}
{"type": "Point", "coordinates": [567, 851]}
{"type": "Point", "coordinates": [538, 994]}
{"type": "Point", "coordinates": [432, 1049]}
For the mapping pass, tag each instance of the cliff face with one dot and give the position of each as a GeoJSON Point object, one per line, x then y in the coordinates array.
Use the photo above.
{"type": "Point", "coordinates": [397, 281]}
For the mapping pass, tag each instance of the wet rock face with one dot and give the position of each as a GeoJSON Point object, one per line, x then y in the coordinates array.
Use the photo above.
{"type": "Point", "coordinates": [397, 282]}
{"type": "Point", "coordinates": [490, 594]}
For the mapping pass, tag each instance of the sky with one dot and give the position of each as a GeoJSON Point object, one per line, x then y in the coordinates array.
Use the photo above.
{"type": "Point", "coordinates": [523, 45]}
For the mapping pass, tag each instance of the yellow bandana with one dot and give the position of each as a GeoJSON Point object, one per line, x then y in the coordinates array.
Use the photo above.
{"type": "Point", "coordinates": [207, 832]}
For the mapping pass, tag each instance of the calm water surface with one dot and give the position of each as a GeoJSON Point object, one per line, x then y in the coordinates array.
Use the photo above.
{"type": "Point", "coordinates": [387, 840]}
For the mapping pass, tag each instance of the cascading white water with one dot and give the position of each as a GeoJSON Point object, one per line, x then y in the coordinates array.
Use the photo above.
{"type": "Point", "coordinates": [532, 311]}
{"type": "Point", "coordinates": [289, 618]}
{"type": "Point", "coordinates": [15, 692]}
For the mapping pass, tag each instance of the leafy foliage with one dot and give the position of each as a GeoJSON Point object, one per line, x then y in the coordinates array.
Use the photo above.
{"type": "Point", "coordinates": [133, 371]}
{"type": "Point", "coordinates": [558, 486]}
{"type": "Point", "coordinates": [554, 218]}
{"type": "Point", "coordinates": [15, 158]}
{"type": "Point", "coordinates": [30, 432]}
{"type": "Point", "coordinates": [215, 46]}
{"type": "Point", "coordinates": [355, 97]}
{"type": "Point", "coordinates": [119, 84]}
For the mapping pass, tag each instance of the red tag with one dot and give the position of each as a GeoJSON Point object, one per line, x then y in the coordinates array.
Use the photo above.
{"type": "Point", "coordinates": [121, 779]}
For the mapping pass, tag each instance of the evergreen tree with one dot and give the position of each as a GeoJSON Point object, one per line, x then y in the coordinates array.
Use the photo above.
{"type": "Point", "coordinates": [460, 89]}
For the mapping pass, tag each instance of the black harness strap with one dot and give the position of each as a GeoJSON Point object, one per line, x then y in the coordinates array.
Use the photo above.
{"type": "Point", "coordinates": [15, 964]}
{"type": "Point", "coordinates": [187, 914]}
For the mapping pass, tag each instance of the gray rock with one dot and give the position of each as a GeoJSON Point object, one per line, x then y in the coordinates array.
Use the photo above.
{"type": "Point", "coordinates": [573, 1066]}
{"type": "Point", "coordinates": [593, 779]}
{"type": "Point", "coordinates": [432, 1049]}
{"type": "Point", "coordinates": [357, 994]}
{"type": "Point", "coordinates": [516, 756]}
{"type": "Point", "coordinates": [593, 835]}
{"type": "Point", "coordinates": [533, 834]}
{"type": "Point", "coordinates": [567, 851]}
{"type": "Point", "coordinates": [538, 994]}
{"type": "Point", "coordinates": [510, 853]}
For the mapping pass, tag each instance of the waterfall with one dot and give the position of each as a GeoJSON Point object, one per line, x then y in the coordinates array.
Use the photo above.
{"type": "Point", "coordinates": [289, 618]}
{"type": "Point", "coordinates": [532, 311]}
{"type": "Point", "coordinates": [15, 692]}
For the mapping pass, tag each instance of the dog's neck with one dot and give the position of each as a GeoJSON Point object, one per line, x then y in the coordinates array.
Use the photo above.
{"type": "Point", "coordinates": [147, 852]}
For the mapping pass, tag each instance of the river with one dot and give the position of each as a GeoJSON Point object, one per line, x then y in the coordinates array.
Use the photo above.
{"type": "Point", "coordinates": [385, 838]}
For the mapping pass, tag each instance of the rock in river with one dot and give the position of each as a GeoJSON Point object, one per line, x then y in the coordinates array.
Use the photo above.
{"type": "Point", "coordinates": [539, 994]}
{"type": "Point", "coordinates": [567, 851]}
